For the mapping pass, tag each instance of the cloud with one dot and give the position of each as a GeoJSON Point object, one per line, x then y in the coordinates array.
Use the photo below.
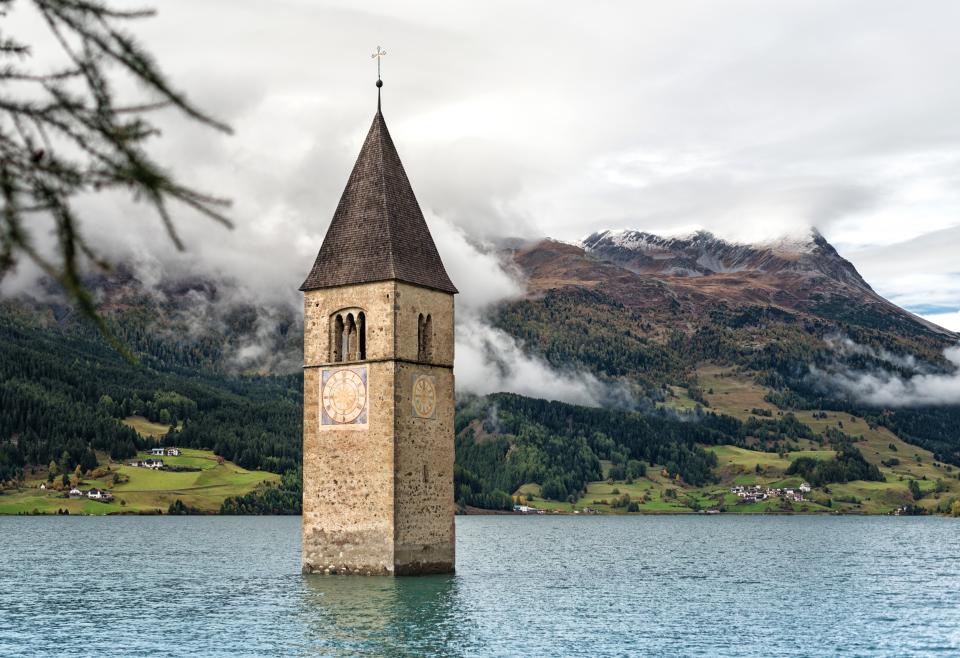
{"type": "Point", "coordinates": [749, 119]}
{"type": "Point", "coordinates": [920, 274]}
{"type": "Point", "coordinates": [844, 346]}
{"type": "Point", "coordinates": [949, 321]}
{"type": "Point", "coordinates": [214, 303]}
{"type": "Point", "coordinates": [253, 332]}
{"type": "Point", "coordinates": [488, 360]}
{"type": "Point", "coordinates": [882, 388]}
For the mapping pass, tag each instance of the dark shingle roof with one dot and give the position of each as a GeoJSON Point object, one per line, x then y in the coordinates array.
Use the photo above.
{"type": "Point", "coordinates": [378, 232]}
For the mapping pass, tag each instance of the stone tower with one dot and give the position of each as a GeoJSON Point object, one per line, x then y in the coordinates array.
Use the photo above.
{"type": "Point", "coordinates": [378, 398]}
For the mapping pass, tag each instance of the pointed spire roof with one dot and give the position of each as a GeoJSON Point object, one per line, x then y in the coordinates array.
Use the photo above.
{"type": "Point", "coordinates": [378, 232]}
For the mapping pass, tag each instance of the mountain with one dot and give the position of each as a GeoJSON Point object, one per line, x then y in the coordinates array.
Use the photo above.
{"type": "Point", "coordinates": [181, 320]}
{"type": "Point", "coordinates": [731, 362]}
{"type": "Point", "coordinates": [683, 277]}
{"type": "Point", "coordinates": [702, 254]}
{"type": "Point", "coordinates": [644, 309]}
{"type": "Point", "coordinates": [698, 325]}
{"type": "Point", "coordinates": [212, 371]}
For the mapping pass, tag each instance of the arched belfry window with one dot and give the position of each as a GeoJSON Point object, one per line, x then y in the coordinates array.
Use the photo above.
{"type": "Point", "coordinates": [351, 338]}
{"type": "Point", "coordinates": [361, 336]}
{"type": "Point", "coordinates": [424, 337]}
{"type": "Point", "coordinates": [336, 338]}
{"type": "Point", "coordinates": [428, 338]}
{"type": "Point", "coordinates": [420, 337]}
{"type": "Point", "coordinates": [348, 335]}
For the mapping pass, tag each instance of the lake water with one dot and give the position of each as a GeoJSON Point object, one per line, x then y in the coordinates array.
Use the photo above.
{"type": "Point", "coordinates": [525, 586]}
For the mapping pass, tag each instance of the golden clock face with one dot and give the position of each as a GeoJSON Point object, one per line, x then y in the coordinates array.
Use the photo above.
{"type": "Point", "coordinates": [344, 396]}
{"type": "Point", "coordinates": [424, 396]}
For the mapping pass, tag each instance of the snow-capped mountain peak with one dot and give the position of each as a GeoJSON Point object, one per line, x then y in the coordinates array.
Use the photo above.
{"type": "Point", "coordinates": [703, 254]}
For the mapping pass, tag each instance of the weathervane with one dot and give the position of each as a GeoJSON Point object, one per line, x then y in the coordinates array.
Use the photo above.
{"type": "Point", "coordinates": [378, 56]}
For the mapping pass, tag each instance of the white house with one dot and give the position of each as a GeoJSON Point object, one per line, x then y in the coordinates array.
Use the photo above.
{"type": "Point", "coordinates": [173, 452]}
{"type": "Point", "coordinates": [157, 451]}
{"type": "Point", "coordinates": [805, 488]}
{"type": "Point", "coordinates": [99, 494]}
{"type": "Point", "coordinates": [76, 493]}
{"type": "Point", "coordinates": [147, 463]}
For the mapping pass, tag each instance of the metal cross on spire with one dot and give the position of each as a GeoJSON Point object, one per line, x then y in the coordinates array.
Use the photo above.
{"type": "Point", "coordinates": [378, 56]}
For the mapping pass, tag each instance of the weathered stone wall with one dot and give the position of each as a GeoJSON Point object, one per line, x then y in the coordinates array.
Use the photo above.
{"type": "Point", "coordinates": [423, 483]}
{"type": "Point", "coordinates": [378, 498]}
{"type": "Point", "coordinates": [348, 472]}
{"type": "Point", "coordinates": [348, 515]}
{"type": "Point", "coordinates": [411, 302]}
{"type": "Point", "coordinates": [377, 300]}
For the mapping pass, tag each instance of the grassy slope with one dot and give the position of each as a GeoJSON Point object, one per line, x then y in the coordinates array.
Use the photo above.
{"type": "Point", "coordinates": [736, 395]}
{"type": "Point", "coordinates": [147, 490]}
{"type": "Point", "coordinates": [147, 428]}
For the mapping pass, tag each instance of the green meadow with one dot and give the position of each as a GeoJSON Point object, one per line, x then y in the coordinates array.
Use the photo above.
{"type": "Point", "coordinates": [142, 490]}
{"type": "Point", "coordinates": [146, 427]}
{"type": "Point", "coordinates": [736, 394]}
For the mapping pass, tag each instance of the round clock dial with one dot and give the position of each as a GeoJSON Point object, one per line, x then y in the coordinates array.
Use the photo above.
{"type": "Point", "coordinates": [424, 397]}
{"type": "Point", "coordinates": [344, 396]}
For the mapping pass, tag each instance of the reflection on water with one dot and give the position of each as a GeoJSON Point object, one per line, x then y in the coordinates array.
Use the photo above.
{"type": "Point", "coordinates": [378, 615]}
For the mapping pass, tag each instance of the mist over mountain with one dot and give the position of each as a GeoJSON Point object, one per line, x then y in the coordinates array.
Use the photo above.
{"type": "Point", "coordinates": [666, 283]}
{"type": "Point", "coordinates": [187, 319]}
{"type": "Point", "coordinates": [625, 324]}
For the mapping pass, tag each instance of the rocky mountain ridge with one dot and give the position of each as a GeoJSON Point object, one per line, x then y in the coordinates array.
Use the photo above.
{"type": "Point", "coordinates": [702, 253]}
{"type": "Point", "coordinates": [678, 279]}
{"type": "Point", "coordinates": [706, 342]}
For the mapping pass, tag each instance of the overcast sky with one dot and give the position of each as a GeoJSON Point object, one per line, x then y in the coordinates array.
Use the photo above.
{"type": "Point", "coordinates": [561, 118]}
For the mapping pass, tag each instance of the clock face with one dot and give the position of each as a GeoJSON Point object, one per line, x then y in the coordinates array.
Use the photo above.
{"type": "Point", "coordinates": [424, 396]}
{"type": "Point", "coordinates": [344, 396]}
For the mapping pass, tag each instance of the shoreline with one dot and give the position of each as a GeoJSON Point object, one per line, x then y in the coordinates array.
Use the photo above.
{"type": "Point", "coordinates": [691, 513]}
{"type": "Point", "coordinates": [476, 511]}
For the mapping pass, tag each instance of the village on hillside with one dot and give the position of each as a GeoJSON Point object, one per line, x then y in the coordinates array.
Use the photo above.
{"type": "Point", "coordinates": [104, 495]}
{"type": "Point", "coordinates": [156, 464]}
{"type": "Point", "coordinates": [756, 493]}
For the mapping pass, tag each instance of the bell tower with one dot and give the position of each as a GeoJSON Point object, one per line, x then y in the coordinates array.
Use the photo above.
{"type": "Point", "coordinates": [378, 394]}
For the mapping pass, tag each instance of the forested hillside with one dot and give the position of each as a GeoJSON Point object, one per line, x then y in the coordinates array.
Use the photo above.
{"type": "Point", "coordinates": [721, 363]}
{"type": "Point", "coordinates": [632, 311]}
{"type": "Point", "coordinates": [65, 392]}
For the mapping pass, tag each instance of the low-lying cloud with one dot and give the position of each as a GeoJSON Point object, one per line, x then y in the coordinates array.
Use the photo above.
{"type": "Point", "coordinates": [203, 299]}
{"type": "Point", "coordinates": [845, 346]}
{"type": "Point", "coordinates": [488, 359]}
{"type": "Point", "coordinates": [749, 128]}
{"type": "Point", "coordinates": [884, 388]}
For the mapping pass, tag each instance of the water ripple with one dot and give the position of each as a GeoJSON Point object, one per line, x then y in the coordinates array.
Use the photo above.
{"type": "Point", "coordinates": [544, 586]}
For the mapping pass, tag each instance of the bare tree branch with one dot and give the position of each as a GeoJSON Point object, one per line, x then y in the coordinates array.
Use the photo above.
{"type": "Point", "coordinates": [68, 136]}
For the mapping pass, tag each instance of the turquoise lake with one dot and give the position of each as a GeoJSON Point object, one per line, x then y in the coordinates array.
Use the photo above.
{"type": "Point", "coordinates": [525, 586]}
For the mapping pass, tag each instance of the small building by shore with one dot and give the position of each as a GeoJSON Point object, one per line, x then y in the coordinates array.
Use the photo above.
{"type": "Point", "coordinates": [99, 494]}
